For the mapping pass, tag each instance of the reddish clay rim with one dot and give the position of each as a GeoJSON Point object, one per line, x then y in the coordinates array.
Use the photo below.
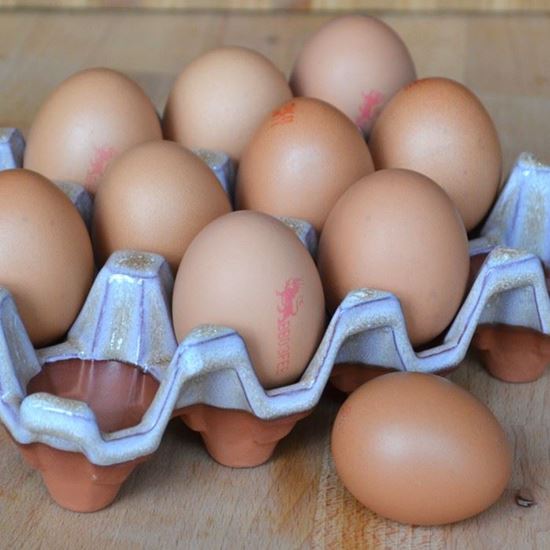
{"type": "Point", "coordinates": [118, 393]}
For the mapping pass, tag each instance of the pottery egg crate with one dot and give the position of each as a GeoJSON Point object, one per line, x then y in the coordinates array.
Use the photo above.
{"type": "Point", "coordinates": [87, 411]}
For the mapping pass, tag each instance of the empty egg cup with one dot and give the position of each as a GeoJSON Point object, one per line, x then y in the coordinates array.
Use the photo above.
{"type": "Point", "coordinates": [87, 411]}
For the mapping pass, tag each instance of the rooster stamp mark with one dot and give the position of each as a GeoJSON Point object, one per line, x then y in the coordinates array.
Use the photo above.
{"type": "Point", "coordinates": [370, 105]}
{"type": "Point", "coordinates": [289, 301]}
{"type": "Point", "coordinates": [101, 158]}
{"type": "Point", "coordinates": [284, 115]}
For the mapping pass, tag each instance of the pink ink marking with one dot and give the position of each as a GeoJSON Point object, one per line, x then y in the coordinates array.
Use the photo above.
{"type": "Point", "coordinates": [288, 306]}
{"type": "Point", "coordinates": [290, 302]}
{"type": "Point", "coordinates": [98, 164]}
{"type": "Point", "coordinates": [284, 115]}
{"type": "Point", "coordinates": [370, 104]}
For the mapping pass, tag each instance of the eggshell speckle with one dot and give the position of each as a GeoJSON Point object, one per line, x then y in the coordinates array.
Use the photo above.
{"type": "Point", "coordinates": [301, 159]}
{"type": "Point", "coordinates": [418, 449]}
{"type": "Point", "coordinates": [250, 272]}
{"type": "Point", "coordinates": [47, 260]}
{"type": "Point", "coordinates": [439, 128]}
{"type": "Point", "coordinates": [88, 120]}
{"type": "Point", "coordinates": [397, 230]}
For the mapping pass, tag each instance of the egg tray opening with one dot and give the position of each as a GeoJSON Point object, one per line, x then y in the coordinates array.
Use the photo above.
{"type": "Point", "coordinates": [208, 379]}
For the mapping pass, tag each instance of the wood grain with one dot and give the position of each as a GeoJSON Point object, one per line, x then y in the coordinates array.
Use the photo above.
{"type": "Point", "coordinates": [410, 6]}
{"type": "Point", "coordinates": [181, 498]}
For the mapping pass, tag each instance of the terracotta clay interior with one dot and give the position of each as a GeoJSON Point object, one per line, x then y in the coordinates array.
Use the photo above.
{"type": "Point", "coordinates": [237, 438]}
{"type": "Point", "coordinates": [119, 394]}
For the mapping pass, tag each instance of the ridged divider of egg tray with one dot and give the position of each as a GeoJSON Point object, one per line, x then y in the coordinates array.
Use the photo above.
{"type": "Point", "coordinates": [208, 379]}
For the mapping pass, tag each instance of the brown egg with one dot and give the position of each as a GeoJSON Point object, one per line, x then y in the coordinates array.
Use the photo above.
{"type": "Point", "coordinates": [47, 260]}
{"type": "Point", "coordinates": [249, 272]}
{"type": "Point", "coordinates": [299, 162]}
{"type": "Point", "coordinates": [155, 197]}
{"type": "Point", "coordinates": [417, 449]}
{"type": "Point", "coordinates": [396, 230]}
{"type": "Point", "coordinates": [92, 117]}
{"type": "Point", "coordinates": [439, 128]}
{"type": "Point", "coordinates": [356, 63]}
{"type": "Point", "coordinates": [220, 99]}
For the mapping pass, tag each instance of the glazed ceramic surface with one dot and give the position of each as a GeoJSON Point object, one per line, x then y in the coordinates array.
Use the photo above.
{"type": "Point", "coordinates": [127, 318]}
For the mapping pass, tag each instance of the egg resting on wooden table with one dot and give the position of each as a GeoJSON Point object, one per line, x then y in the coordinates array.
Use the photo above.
{"type": "Point", "coordinates": [155, 197]}
{"type": "Point", "coordinates": [418, 449]}
{"type": "Point", "coordinates": [87, 121]}
{"type": "Point", "coordinates": [397, 230]}
{"type": "Point", "coordinates": [248, 271]}
{"type": "Point", "coordinates": [300, 160]}
{"type": "Point", "coordinates": [356, 63]}
{"type": "Point", "coordinates": [438, 127]}
{"type": "Point", "coordinates": [47, 259]}
{"type": "Point", "coordinates": [220, 99]}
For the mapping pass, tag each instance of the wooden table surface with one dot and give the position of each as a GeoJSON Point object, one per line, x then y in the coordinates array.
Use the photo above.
{"type": "Point", "coordinates": [181, 497]}
{"type": "Point", "coordinates": [456, 6]}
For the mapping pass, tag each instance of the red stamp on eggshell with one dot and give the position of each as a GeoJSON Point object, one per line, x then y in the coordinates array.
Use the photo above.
{"type": "Point", "coordinates": [369, 107]}
{"type": "Point", "coordinates": [101, 158]}
{"type": "Point", "coordinates": [289, 301]}
{"type": "Point", "coordinates": [284, 115]}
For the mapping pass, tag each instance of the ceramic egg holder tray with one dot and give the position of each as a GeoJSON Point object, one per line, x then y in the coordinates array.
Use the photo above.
{"type": "Point", "coordinates": [85, 412]}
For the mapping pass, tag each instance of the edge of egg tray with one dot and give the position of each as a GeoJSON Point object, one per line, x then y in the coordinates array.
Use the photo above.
{"type": "Point", "coordinates": [126, 317]}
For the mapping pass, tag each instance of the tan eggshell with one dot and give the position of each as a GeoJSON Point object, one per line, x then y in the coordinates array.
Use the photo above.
{"type": "Point", "coordinates": [89, 119]}
{"type": "Point", "coordinates": [439, 128]}
{"type": "Point", "coordinates": [356, 63]}
{"type": "Point", "coordinates": [220, 99]}
{"type": "Point", "coordinates": [249, 272]}
{"type": "Point", "coordinates": [47, 259]}
{"type": "Point", "coordinates": [397, 230]}
{"type": "Point", "coordinates": [301, 159]}
{"type": "Point", "coordinates": [418, 449]}
{"type": "Point", "coordinates": [155, 197]}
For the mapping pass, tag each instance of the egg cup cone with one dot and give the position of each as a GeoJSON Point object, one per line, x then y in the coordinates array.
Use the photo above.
{"type": "Point", "coordinates": [75, 483]}
{"type": "Point", "coordinates": [119, 395]}
{"type": "Point", "coordinates": [237, 438]}
{"type": "Point", "coordinates": [512, 354]}
{"type": "Point", "coordinates": [84, 421]}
